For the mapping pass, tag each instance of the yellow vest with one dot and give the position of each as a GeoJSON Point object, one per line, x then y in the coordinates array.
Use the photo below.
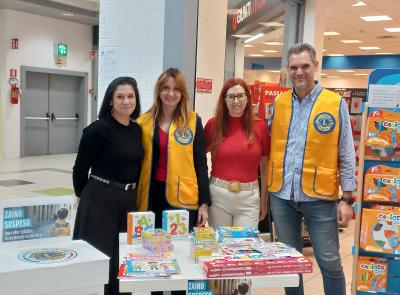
{"type": "Point", "coordinates": [320, 173]}
{"type": "Point", "coordinates": [181, 184]}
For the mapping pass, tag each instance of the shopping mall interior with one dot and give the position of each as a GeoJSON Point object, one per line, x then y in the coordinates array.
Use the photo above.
{"type": "Point", "coordinates": [58, 56]}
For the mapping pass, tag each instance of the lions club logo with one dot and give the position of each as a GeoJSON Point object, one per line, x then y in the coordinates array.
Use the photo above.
{"type": "Point", "coordinates": [324, 123]}
{"type": "Point", "coordinates": [184, 137]}
{"type": "Point", "coordinates": [47, 255]}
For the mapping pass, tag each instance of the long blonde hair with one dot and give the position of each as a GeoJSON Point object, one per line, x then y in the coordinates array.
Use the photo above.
{"type": "Point", "coordinates": [181, 114]}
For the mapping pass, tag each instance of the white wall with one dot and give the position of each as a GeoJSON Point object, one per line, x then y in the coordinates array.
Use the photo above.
{"type": "Point", "coordinates": [250, 76]}
{"type": "Point", "coordinates": [3, 45]}
{"type": "Point", "coordinates": [211, 38]}
{"type": "Point", "coordinates": [131, 33]}
{"type": "Point", "coordinates": [37, 36]}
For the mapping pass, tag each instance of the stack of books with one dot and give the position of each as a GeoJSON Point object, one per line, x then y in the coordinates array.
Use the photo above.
{"type": "Point", "coordinates": [151, 265]}
{"type": "Point", "coordinates": [204, 242]}
{"type": "Point", "coordinates": [157, 241]}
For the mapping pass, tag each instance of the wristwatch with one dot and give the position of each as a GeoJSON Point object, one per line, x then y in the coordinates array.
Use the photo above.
{"type": "Point", "coordinates": [348, 200]}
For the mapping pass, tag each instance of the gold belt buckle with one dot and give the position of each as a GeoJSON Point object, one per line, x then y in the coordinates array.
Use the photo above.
{"type": "Point", "coordinates": [234, 186]}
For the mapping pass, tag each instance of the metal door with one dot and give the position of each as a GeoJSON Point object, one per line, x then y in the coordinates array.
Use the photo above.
{"type": "Point", "coordinates": [36, 114]}
{"type": "Point", "coordinates": [63, 110]}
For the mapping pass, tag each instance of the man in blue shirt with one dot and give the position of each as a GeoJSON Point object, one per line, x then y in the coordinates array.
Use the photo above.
{"type": "Point", "coordinates": [312, 151]}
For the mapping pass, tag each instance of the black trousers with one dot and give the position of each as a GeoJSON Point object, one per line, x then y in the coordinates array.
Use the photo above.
{"type": "Point", "coordinates": [101, 216]}
{"type": "Point", "coordinates": [158, 203]}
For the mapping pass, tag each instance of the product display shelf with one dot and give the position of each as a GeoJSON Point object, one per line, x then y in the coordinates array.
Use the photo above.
{"type": "Point", "coordinates": [190, 271]}
{"type": "Point", "coordinates": [393, 282]}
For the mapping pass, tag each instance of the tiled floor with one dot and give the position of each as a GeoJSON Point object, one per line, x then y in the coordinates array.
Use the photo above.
{"type": "Point", "coordinates": [51, 175]}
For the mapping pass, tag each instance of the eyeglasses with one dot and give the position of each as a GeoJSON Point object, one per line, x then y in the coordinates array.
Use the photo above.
{"type": "Point", "coordinates": [232, 97]}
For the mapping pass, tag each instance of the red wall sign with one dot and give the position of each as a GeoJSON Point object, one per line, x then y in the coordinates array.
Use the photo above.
{"type": "Point", "coordinates": [14, 43]}
{"type": "Point", "coordinates": [204, 85]}
{"type": "Point", "coordinates": [13, 73]}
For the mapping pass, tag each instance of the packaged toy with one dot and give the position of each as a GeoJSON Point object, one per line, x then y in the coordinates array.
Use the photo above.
{"type": "Point", "coordinates": [371, 274]}
{"type": "Point", "coordinates": [382, 184]}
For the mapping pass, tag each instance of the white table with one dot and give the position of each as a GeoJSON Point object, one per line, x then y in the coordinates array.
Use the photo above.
{"type": "Point", "coordinates": [191, 271]}
{"type": "Point", "coordinates": [85, 274]}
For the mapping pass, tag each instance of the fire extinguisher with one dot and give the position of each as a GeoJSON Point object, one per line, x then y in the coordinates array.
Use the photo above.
{"type": "Point", "coordinates": [15, 91]}
{"type": "Point", "coordinates": [15, 94]}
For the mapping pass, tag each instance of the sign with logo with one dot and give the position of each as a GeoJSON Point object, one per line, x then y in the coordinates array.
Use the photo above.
{"type": "Point", "coordinates": [248, 11]}
{"type": "Point", "coordinates": [47, 255]}
{"type": "Point", "coordinates": [324, 122]}
{"type": "Point", "coordinates": [204, 85]}
{"type": "Point", "coordinates": [14, 43]}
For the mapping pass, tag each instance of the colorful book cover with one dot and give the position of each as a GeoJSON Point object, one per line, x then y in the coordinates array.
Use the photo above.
{"type": "Point", "coordinates": [176, 222]}
{"type": "Point", "coordinates": [138, 222]}
{"type": "Point", "coordinates": [372, 274]}
{"type": "Point", "coordinates": [383, 136]}
{"type": "Point", "coordinates": [380, 230]}
{"type": "Point", "coordinates": [382, 184]}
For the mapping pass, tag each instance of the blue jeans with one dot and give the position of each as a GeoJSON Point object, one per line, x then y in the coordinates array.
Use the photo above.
{"type": "Point", "coordinates": [320, 218]}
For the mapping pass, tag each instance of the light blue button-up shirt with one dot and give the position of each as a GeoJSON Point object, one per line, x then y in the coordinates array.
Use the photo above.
{"type": "Point", "coordinates": [291, 189]}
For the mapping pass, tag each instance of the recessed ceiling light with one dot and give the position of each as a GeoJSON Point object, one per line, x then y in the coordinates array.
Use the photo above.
{"type": "Point", "coordinates": [274, 71]}
{"type": "Point", "coordinates": [256, 55]}
{"type": "Point", "coordinates": [335, 54]}
{"type": "Point", "coordinates": [384, 53]}
{"type": "Point", "coordinates": [360, 74]}
{"type": "Point", "coordinates": [68, 14]}
{"type": "Point", "coordinates": [322, 74]}
{"type": "Point", "coordinates": [272, 24]}
{"type": "Point", "coordinates": [333, 77]}
{"type": "Point", "coordinates": [369, 48]}
{"type": "Point", "coordinates": [273, 43]}
{"type": "Point", "coordinates": [345, 71]}
{"type": "Point", "coordinates": [324, 50]}
{"type": "Point", "coordinates": [332, 33]}
{"type": "Point", "coordinates": [393, 30]}
{"type": "Point", "coordinates": [350, 41]}
{"type": "Point", "coordinates": [269, 51]}
{"type": "Point", "coordinates": [248, 45]}
{"type": "Point", "coordinates": [375, 18]}
{"type": "Point", "coordinates": [242, 35]}
{"type": "Point", "coordinates": [359, 3]}
{"type": "Point", "coordinates": [259, 35]}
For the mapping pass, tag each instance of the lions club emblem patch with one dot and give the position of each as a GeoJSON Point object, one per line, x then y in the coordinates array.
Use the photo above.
{"type": "Point", "coordinates": [184, 137]}
{"type": "Point", "coordinates": [324, 122]}
{"type": "Point", "coordinates": [47, 255]}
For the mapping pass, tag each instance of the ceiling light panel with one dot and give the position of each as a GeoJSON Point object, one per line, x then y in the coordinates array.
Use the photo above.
{"type": "Point", "coordinates": [272, 24]}
{"type": "Point", "coordinates": [393, 30]}
{"type": "Point", "coordinates": [345, 71]}
{"type": "Point", "coordinates": [270, 51]}
{"type": "Point", "coordinates": [331, 33]}
{"type": "Point", "coordinates": [369, 48]}
{"type": "Point", "coordinates": [248, 45]}
{"type": "Point", "coordinates": [350, 41]}
{"type": "Point", "coordinates": [273, 43]}
{"type": "Point", "coordinates": [259, 35]}
{"type": "Point", "coordinates": [256, 55]}
{"type": "Point", "coordinates": [359, 3]}
{"type": "Point", "coordinates": [242, 35]}
{"type": "Point", "coordinates": [375, 18]}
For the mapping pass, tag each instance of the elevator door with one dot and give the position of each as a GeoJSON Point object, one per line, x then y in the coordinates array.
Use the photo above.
{"type": "Point", "coordinates": [51, 114]}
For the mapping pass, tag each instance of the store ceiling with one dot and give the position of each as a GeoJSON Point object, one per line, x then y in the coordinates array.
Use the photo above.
{"type": "Point", "coordinates": [345, 19]}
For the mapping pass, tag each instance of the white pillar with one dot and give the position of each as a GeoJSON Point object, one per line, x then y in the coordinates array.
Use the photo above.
{"type": "Point", "coordinates": [314, 27]}
{"type": "Point", "coordinates": [239, 59]}
{"type": "Point", "coordinates": [211, 38]}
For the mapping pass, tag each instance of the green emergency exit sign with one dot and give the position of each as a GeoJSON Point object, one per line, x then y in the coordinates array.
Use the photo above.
{"type": "Point", "coordinates": [62, 49]}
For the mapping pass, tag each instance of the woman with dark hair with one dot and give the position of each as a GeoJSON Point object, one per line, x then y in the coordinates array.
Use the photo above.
{"type": "Point", "coordinates": [111, 148]}
{"type": "Point", "coordinates": [239, 144]}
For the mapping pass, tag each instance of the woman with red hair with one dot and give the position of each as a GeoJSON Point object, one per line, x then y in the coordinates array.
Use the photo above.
{"type": "Point", "coordinates": [239, 144]}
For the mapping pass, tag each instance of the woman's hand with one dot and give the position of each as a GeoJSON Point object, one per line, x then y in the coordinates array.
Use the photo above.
{"type": "Point", "coordinates": [202, 215]}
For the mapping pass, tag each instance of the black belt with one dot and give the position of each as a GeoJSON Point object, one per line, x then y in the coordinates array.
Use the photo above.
{"type": "Point", "coordinates": [123, 186]}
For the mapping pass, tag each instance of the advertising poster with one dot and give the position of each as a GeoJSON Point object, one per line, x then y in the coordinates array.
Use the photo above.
{"type": "Point", "coordinates": [27, 219]}
{"type": "Point", "coordinates": [219, 287]}
{"type": "Point", "coordinates": [36, 222]}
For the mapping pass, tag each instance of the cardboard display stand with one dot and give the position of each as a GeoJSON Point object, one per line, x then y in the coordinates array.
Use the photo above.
{"type": "Point", "coordinates": [376, 263]}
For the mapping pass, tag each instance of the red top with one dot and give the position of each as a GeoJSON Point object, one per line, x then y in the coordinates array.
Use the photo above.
{"type": "Point", "coordinates": [234, 158]}
{"type": "Point", "coordinates": [161, 171]}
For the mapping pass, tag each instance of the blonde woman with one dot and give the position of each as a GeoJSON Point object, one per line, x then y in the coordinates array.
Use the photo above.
{"type": "Point", "coordinates": [174, 172]}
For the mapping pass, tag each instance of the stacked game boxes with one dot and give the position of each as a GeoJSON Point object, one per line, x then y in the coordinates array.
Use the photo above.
{"type": "Point", "coordinates": [157, 240]}
{"type": "Point", "coordinates": [204, 242]}
{"type": "Point", "coordinates": [372, 274]}
{"type": "Point", "coordinates": [176, 223]}
{"type": "Point", "coordinates": [138, 222]}
{"type": "Point", "coordinates": [229, 232]}
{"type": "Point", "coordinates": [148, 265]}
{"type": "Point", "coordinates": [253, 264]}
